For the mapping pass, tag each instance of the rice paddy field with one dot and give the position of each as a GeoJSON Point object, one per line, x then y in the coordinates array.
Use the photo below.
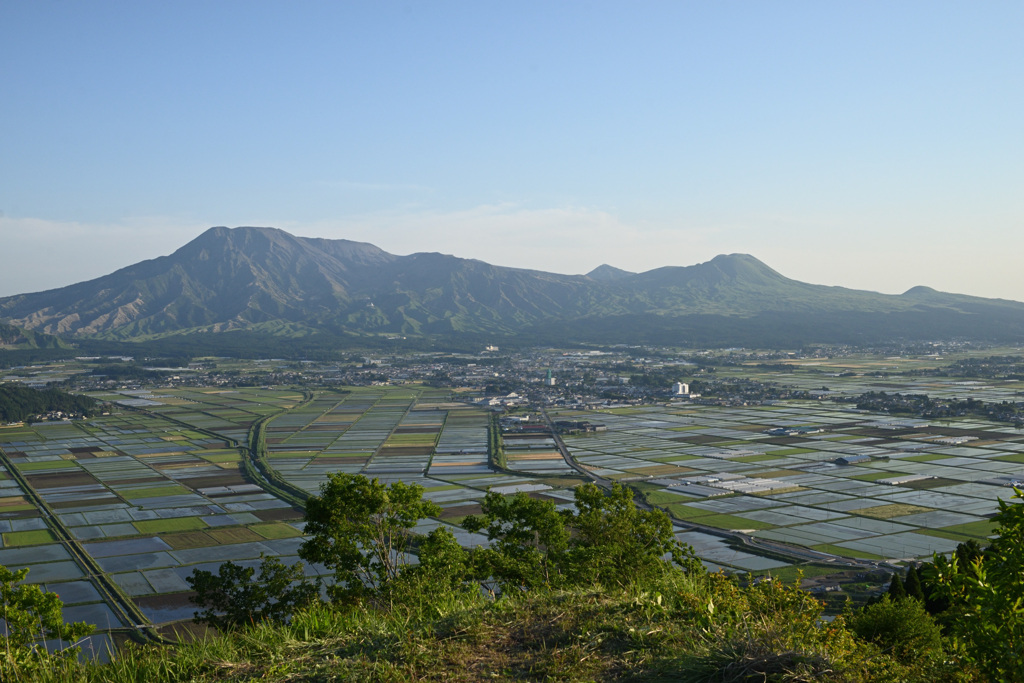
{"type": "Point", "coordinates": [858, 374]}
{"type": "Point", "coordinates": [145, 496]}
{"type": "Point", "coordinates": [156, 491]}
{"type": "Point", "coordinates": [911, 488]}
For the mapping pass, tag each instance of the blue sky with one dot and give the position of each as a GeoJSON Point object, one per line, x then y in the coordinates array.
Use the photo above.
{"type": "Point", "coordinates": [875, 145]}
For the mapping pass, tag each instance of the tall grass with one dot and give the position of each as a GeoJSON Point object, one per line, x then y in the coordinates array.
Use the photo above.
{"type": "Point", "coordinates": [680, 627]}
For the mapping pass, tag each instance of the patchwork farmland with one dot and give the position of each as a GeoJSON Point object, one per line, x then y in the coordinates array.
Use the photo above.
{"type": "Point", "coordinates": [835, 481]}
{"type": "Point", "coordinates": [116, 512]}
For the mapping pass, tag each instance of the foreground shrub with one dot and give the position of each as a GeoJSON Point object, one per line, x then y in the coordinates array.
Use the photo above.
{"type": "Point", "coordinates": [362, 531]}
{"type": "Point", "coordinates": [608, 540]}
{"type": "Point", "coordinates": [774, 632]}
{"type": "Point", "coordinates": [902, 628]}
{"type": "Point", "coordinates": [32, 615]}
{"type": "Point", "coordinates": [986, 598]}
{"type": "Point", "coordinates": [236, 596]}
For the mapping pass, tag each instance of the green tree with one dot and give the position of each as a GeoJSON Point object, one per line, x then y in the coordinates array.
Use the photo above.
{"type": "Point", "coordinates": [936, 598]}
{"type": "Point", "coordinates": [901, 628]}
{"type": "Point", "coordinates": [896, 589]}
{"type": "Point", "coordinates": [615, 542]}
{"type": "Point", "coordinates": [607, 540]}
{"type": "Point", "coordinates": [444, 568]}
{"type": "Point", "coordinates": [362, 531]}
{"type": "Point", "coordinates": [528, 539]}
{"type": "Point", "coordinates": [967, 553]}
{"type": "Point", "coordinates": [233, 598]}
{"type": "Point", "coordinates": [912, 585]}
{"type": "Point", "coordinates": [31, 615]}
{"type": "Point", "coordinates": [986, 612]}
{"type": "Point", "coordinates": [441, 559]}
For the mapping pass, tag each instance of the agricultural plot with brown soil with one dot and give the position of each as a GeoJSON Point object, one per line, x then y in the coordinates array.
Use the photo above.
{"type": "Point", "coordinates": [151, 496]}
{"type": "Point", "coordinates": [150, 499]}
{"type": "Point", "coordinates": [121, 485]}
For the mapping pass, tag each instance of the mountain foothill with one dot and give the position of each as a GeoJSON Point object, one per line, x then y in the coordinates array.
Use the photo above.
{"type": "Point", "coordinates": [268, 281]}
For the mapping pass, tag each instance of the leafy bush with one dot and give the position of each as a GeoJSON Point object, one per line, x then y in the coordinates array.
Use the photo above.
{"type": "Point", "coordinates": [608, 540]}
{"type": "Point", "coordinates": [986, 599]}
{"type": "Point", "coordinates": [31, 615]}
{"type": "Point", "coordinates": [232, 598]}
{"type": "Point", "coordinates": [615, 542]}
{"type": "Point", "coordinates": [528, 538]}
{"type": "Point", "coordinates": [443, 563]}
{"type": "Point", "coordinates": [902, 628]}
{"type": "Point", "coordinates": [362, 530]}
{"type": "Point", "coordinates": [774, 632]}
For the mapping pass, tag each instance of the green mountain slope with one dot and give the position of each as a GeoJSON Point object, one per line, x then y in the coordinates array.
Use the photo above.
{"type": "Point", "coordinates": [266, 280]}
{"type": "Point", "coordinates": [12, 337]}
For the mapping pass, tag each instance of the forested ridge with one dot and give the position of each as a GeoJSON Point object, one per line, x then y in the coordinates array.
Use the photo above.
{"type": "Point", "coordinates": [18, 402]}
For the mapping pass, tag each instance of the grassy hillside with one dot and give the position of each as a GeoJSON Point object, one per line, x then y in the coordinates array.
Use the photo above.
{"type": "Point", "coordinates": [681, 628]}
{"type": "Point", "coordinates": [585, 595]}
{"type": "Point", "coordinates": [12, 337]}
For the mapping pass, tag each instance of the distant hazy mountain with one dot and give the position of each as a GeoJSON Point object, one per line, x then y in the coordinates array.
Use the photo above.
{"type": "Point", "coordinates": [606, 273]}
{"type": "Point", "coordinates": [267, 280]}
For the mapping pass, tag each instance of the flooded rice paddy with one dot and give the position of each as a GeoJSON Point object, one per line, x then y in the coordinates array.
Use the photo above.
{"type": "Point", "coordinates": [156, 491]}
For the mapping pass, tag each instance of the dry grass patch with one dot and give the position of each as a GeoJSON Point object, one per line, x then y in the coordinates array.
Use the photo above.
{"type": "Point", "coordinates": [889, 511]}
{"type": "Point", "coordinates": [547, 455]}
{"type": "Point", "coordinates": [189, 540]}
{"type": "Point", "coordinates": [161, 526]}
{"type": "Point", "coordinates": [775, 492]}
{"type": "Point", "coordinates": [235, 535]}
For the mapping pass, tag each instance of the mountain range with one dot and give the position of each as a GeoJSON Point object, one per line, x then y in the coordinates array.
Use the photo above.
{"type": "Point", "coordinates": [267, 281]}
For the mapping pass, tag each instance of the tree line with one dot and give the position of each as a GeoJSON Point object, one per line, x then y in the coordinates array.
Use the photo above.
{"type": "Point", "coordinates": [922, 405]}
{"type": "Point", "coordinates": [18, 402]}
{"type": "Point", "coordinates": [965, 610]}
{"type": "Point", "coordinates": [954, 619]}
